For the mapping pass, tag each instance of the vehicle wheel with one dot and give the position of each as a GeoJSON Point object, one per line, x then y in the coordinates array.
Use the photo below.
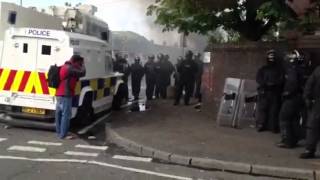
{"type": "Point", "coordinates": [85, 114]}
{"type": "Point", "coordinates": [120, 98]}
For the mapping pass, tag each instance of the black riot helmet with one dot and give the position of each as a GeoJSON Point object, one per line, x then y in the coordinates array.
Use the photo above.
{"type": "Point", "coordinates": [151, 58]}
{"type": "Point", "coordinates": [137, 59]}
{"type": "Point", "coordinates": [271, 56]}
{"type": "Point", "coordinates": [189, 55]}
{"type": "Point", "coordinates": [293, 57]}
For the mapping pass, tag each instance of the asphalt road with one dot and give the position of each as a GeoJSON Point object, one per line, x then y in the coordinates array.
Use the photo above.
{"type": "Point", "coordinates": [27, 154]}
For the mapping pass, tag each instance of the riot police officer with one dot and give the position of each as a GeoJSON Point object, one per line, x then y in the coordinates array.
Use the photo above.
{"type": "Point", "coordinates": [158, 74]}
{"type": "Point", "coordinates": [121, 65]}
{"type": "Point", "coordinates": [290, 112]}
{"type": "Point", "coordinates": [187, 71]}
{"type": "Point", "coordinates": [137, 72]}
{"type": "Point", "coordinates": [270, 82]}
{"type": "Point", "coordinates": [150, 72]}
{"type": "Point", "coordinates": [176, 75]}
{"type": "Point", "coordinates": [198, 79]}
{"type": "Point", "coordinates": [166, 70]}
{"type": "Point", "coordinates": [312, 99]}
{"type": "Point", "coordinates": [306, 68]}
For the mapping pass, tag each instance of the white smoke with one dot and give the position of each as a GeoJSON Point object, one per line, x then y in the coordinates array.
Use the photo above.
{"type": "Point", "coordinates": [130, 15]}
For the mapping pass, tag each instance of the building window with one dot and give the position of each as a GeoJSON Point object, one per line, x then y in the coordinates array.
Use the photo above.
{"type": "Point", "coordinates": [25, 48]}
{"type": "Point", "coordinates": [46, 50]}
{"type": "Point", "coordinates": [12, 17]}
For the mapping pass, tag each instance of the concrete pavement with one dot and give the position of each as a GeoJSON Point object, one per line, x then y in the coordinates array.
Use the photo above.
{"type": "Point", "coordinates": [183, 136]}
{"type": "Point", "coordinates": [94, 161]}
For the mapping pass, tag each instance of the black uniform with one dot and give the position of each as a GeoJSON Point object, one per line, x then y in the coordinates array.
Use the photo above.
{"type": "Point", "coordinates": [151, 76]}
{"type": "Point", "coordinates": [270, 81]}
{"type": "Point", "coordinates": [176, 75]}
{"type": "Point", "coordinates": [312, 98]}
{"type": "Point", "coordinates": [121, 65]}
{"type": "Point", "coordinates": [291, 108]}
{"type": "Point", "coordinates": [187, 71]}
{"type": "Point", "coordinates": [166, 70]}
{"type": "Point", "coordinates": [158, 78]}
{"type": "Point", "coordinates": [306, 70]}
{"type": "Point", "coordinates": [137, 72]}
{"type": "Point", "coordinates": [198, 79]}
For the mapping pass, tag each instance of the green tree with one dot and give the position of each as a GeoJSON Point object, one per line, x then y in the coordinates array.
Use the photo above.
{"type": "Point", "coordinates": [251, 19]}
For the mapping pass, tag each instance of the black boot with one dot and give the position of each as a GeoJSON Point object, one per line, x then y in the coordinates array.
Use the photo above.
{"type": "Point", "coordinates": [307, 155]}
{"type": "Point", "coordinates": [285, 145]}
{"type": "Point", "coordinates": [261, 128]}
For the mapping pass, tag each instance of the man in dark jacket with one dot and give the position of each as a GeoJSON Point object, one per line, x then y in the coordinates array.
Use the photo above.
{"type": "Point", "coordinates": [270, 82]}
{"type": "Point", "coordinates": [150, 72]}
{"type": "Point", "coordinates": [292, 102]}
{"type": "Point", "coordinates": [187, 70]}
{"type": "Point", "coordinates": [312, 99]}
{"type": "Point", "coordinates": [70, 73]}
{"type": "Point", "coordinates": [137, 72]}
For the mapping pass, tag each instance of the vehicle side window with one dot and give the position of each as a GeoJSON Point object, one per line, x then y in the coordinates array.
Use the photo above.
{"type": "Point", "coordinates": [108, 65]}
{"type": "Point", "coordinates": [12, 17]}
{"type": "Point", "coordinates": [105, 36]}
{"type": "Point", "coordinates": [25, 48]}
{"type": "Point", "coordinates": [46, 50]}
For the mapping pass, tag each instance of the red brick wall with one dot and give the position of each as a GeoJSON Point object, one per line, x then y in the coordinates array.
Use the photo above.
{"type": "Point", "coordinates": [243, 60]}
{"type": "Point", "coordinates": [237, 61]}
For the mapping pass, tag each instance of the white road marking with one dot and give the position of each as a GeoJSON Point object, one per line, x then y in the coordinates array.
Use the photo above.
{"type": "Point", "coordinates": [132, 158]}
{"type": "Point", "coordinates": [26, 149]}
{"type": "Point", "coordinates": [103, 148]}
{"type": "Point", "coordinates": [74, 153]}
{"type": "Point", "coordinates": [44, 143]}
{"type": "Point", "coordinates": [141, 171]}
{"type": "Point", "coordinates": [3, 139]}
{"type": "Point", "coordinates": [86, 129]}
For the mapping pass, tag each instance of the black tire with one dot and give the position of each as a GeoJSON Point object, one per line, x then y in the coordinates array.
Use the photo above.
{"type": "Point", "coordinates": [121, 97]}
{"type": "Point", "coordinates": [85, 114]}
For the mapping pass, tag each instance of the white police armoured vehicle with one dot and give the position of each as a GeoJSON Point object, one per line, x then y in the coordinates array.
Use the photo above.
{"type": "Point", "coordinates": [27, 54]}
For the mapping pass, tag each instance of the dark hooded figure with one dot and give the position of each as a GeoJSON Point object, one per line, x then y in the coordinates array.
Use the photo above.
{"type": "Point", "coordinates": [137, 72]}
{"type": "Point", "coordinates": [292, 104]}
{"type": "Point", "coordinates": [151, 77]}
{"type": "Point", "coordinates": [187, 70]}
{"type": "Point", "coordinates": [270, 83]}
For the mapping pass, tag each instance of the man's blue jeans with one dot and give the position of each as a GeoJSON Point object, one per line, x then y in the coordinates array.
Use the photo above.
{"type": "Point", "coordinates": [63, 115]}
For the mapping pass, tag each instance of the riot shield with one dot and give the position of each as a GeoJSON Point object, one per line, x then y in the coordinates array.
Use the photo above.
{"type": "Point", "coordinates": [229, 103]}
{"type": "Point", "coordinates": [246, 114]}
